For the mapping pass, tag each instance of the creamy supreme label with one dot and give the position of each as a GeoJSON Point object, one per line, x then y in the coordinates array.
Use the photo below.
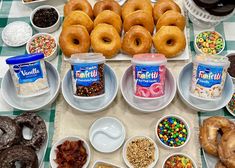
{"type": "Point", "coordinates": [208, 75]}
{"type": "Point", "coordinates": [28, 72]}
{"type": "Point", "coordinates": [86, 74]}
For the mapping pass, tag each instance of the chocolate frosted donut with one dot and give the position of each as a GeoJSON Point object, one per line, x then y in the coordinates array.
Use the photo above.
{"type": "Point", "coordinates": [26, 156]}
{"type": "Point", "coordinates": [9, 132]}
{"type": "Point", "coordinates": [38, 126]}
{"type": "Point", "coordinates": [221, 9]}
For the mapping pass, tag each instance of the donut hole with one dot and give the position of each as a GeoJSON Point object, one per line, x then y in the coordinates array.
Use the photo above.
{"type": "Point", "coordinates": [76, 41]}
{"type": "Point", "coordinates": [136, 8]}
{"type": "Point", "coordinates": [170, 42]}
{"type": "Point", "coordinates": [27, 133]}
{"type": "Point", "coordinates": [106, 40]}
{"type": "Point", "coordinates": [172, 24]}
{"type": "Point", "coordinates": [108, 7]}
{"type": "Point", "coordinates": [138, 42]}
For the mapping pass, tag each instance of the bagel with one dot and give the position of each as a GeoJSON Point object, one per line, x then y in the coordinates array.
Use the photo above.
{"type": "Point", "coordinates": [170, 41]}
{"type": "Point", "coordinates": [106, 40]}
{"type": "Point", "coordinates": [82, 5]}
{"type": "Point", "coordinates": [107, 5]}
{"type": "Point", "coordinates": [139, 18]}
{"type": "Point", "coordinates": [74, 39]}
{"type": "Point", "coordinates": [137, 40]}
{"type": "Point", "coordinates": [171, 18]}
{"type": "Point", "coordinates": [109, 17]}
{"type": "Point", "coordinates": [78, 18]}
{"type": "Point", "coordinates": [162, 6]}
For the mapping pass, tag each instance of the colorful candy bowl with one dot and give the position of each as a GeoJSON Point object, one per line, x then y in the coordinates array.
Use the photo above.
{"type": "Point", "coordinates": [172, 132]}
{"type": "Point", "coordinates": [209, 42]}
{"type": "Point", "coordinates": [179, 159]}
{"type": "Point", "coordinates": [43, 43]}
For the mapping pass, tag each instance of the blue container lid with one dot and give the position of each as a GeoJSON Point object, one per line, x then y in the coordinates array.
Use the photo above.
{"type": "Point", "coordinates": [24, 58]}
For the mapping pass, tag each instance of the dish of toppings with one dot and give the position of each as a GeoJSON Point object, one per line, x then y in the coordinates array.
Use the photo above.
{"type": "Point", "coordinates": [45, 17]}
{"type": "Point", "coordinates": [71, 154]}
{"type": "Point", "coordinates": [140, 152]}
{"type": "Point", "coordinates": [172, 132]}
{"type": "Point", "coordinates": [178, 161]}
{"type": "Point", "coordinates": [42, 43]}
{"type": "Point", "coordinates": [209, 42]}
{"type": "Point", "coordinates": [231, 105]}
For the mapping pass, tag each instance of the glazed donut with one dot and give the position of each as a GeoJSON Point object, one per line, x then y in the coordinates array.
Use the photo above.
{"type": "Point", "coordinates": [219, 164]}
{"type": "Point", "coordinates": [226, 149]}
{"type": "Point", "coordinates": [11, 134]}
{"type": "Point", "coordinates": [170, 41]}
{"type": "Point", "coordinates": [23, 154]}
{"type": "Point", "coordinates": [139, 18]}
{"type": "Point", "coordinates": [82, 5]}
{"type": "Point", "coordinates": [135, 5]}
{"type": "Point", "coordinates": [162, 6]}
{"type": "Point", "coordinates": [171, 18]}
{"type": "Point", "coordinates": [137, 40]}
{"type": "Point", "coordinates": [106, 40]}
{"type": "Point", "coordinates": [109, 17]}
{"type": "Point", "coordinates": [78, 18]}
{"type": "Point", "coordinates": [209, 133]}
{"type": "Point", "coordinates": [107, 5]}
{"type": "Point", "coordinates": [74, 39]}
{"type": "Point", "coordinates": [38, 126]}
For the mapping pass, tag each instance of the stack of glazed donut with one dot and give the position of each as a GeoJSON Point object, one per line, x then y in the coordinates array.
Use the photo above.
{"type": "Point", "coordinates": [101, 28]}
{"type": "Point", "coordinates": [223, 148]}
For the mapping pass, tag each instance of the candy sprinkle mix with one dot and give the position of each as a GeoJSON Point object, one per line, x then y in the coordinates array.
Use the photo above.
{"type": "Point", "coordinates": [178, 161]}
{"type": "Point", "coordinates": [172, 132]}
{"type": "Point", "coordinates": [231, 104]}
{"type": "Point", "coordinates": [210, 42]}
{"type": "Point", "coordinates": [42, 44]}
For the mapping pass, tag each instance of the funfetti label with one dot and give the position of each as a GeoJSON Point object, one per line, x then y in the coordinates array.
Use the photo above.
{"type": "Point", "coordinates": [208, 75]}
{"type": "Point", "coordinates": [29, 72]}
{"type": "Point", "coordinates": [147, 75]}
{"type": "Point", "coordinates": [86, 74]}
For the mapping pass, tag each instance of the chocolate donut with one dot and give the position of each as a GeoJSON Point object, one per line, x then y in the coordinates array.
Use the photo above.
{"type": "Point", "coordinates": [221, 9]}
{"type": "Point", "coordinates": [206, 3]}
{"type": "Point", "coordinates": [26, 156]}
{"type": "Point", "coordinates": [9, 132]}
{"type": "Point", "coordinates": [38, 126]}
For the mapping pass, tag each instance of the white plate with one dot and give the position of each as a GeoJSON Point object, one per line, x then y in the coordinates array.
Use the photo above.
{"type": "Point", "coordinates": [99, 104]}
{"type": "Point", "coordinates": [37, 102]}
{"type": "Point", "coordinates": [106, 163]}
{"type": "Point", "coordinates": [136, 137]}
{"type": "Point", "coordinates": [147, 105]}
{"type": "Point", "coordinates": [61, 141]}
{"type": "Point", "coordinates": [184, 83]}
{"type": "Point", "coordinates": [107, 134]}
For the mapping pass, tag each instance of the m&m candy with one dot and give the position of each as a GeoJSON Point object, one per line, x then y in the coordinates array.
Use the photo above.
{"type": "Point", "coordinates": [172, 132]}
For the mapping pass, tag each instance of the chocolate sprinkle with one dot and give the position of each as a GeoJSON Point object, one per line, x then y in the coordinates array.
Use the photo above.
{"type": "Point", "coordinates": [45, 17]}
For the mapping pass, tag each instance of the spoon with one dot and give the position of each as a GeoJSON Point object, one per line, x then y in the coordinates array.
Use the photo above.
{"type": "Point", "coordinates": [111, 132]}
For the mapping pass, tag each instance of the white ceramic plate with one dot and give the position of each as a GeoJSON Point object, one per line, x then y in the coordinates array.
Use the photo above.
{"type": "Point", "coordinates": [61, 141]}
{"type": "Point", "coordinates": [147, 105]}
{"type": "Point", "coordinates": [184, 83]}
{"type": "Point", "coordinates": [136, 137]}
{"type": "Point", "coordinates": [37, 102]}
{"type": "Point", "coordinates": [99, 104]}
{"type": "Point", "coordinates": [98, 162]}
{"type": "Point", "coordinates": [107, 134]}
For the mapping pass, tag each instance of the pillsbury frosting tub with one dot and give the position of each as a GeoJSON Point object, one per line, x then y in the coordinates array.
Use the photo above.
{"type": "Point", "coordinates": [87, 71]}
{"type": "Point", "coordinates": [208, 76]}
{"type": "Point", "coordinates": [149, 75]}
{"type": "Point", "coordinates": [29, 74]}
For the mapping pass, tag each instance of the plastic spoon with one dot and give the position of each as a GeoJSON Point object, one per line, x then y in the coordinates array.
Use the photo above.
{"type": "Point", "coordinates": [108, 131]}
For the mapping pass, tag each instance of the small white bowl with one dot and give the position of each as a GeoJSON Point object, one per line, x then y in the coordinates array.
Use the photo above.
{"type": "Point", "coordinates": [232, 54]}
{"type": "Point", "coordinates": [107, 134]}
{"type": "Point", "coordinates": [53, 54]}
{"type": "Point", "coordinates": [98, 162]}
{"type": "Point", "coordinates": [180, 154]}
{"type": "Point", "coordinates": [61, 141]}
{"type": "Point", "coordinates": [198, 51]}
{"type": "Point", "coordinates": [137, 137]}
{"type": "Point", "coordinates": [147, 105]}
{"type": "Point", "coordinates": [169, 147]}
{"type": "Point", "coordinates": [50, 29]}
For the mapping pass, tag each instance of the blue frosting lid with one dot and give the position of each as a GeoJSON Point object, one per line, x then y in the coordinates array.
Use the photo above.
{"type": "Point", "coordinates": [24, 58]}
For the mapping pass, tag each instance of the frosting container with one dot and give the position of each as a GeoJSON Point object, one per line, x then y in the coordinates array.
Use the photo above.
{"type": "Point", "coordinates": [29, 74]}
{"type": "Point", "coordinates": [208, 76]}
{"type": "Point", "coordinates": [87, 71]}
{"type": "Point", "coordinates": [149, 75]}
